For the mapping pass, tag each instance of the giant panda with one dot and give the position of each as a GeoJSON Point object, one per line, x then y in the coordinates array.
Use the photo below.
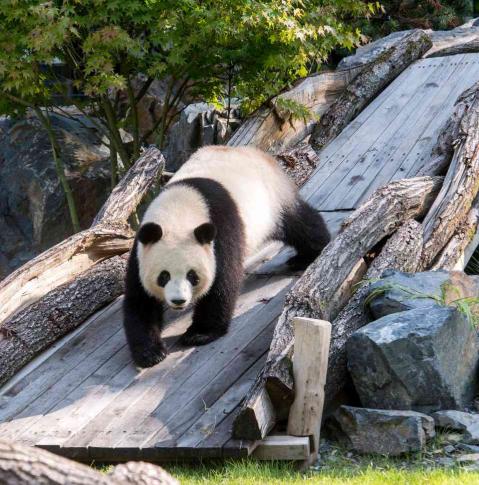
{"type": "Point", "coordinates": [218, 209]}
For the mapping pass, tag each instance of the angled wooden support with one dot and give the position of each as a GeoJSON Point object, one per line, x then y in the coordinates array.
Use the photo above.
{"type": "Point", "coordinates": [310, 364]}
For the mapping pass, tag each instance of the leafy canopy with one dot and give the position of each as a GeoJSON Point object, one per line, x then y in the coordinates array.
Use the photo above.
{"type": "Point", "coordinates": [262, 45]}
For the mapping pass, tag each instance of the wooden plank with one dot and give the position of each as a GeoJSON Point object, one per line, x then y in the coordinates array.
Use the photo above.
{"type": "Point", "coordinates": [381, 160]}
{"type": "Point", "coordinates": [139, 422]}
{"type": "Point", "coordinates": [283, 447]}
{"type": "Point", "coordinates": [415, 147]}
{"type": "Point", "coordinates": [144, 394]}
{"type": "Point", "coordinates": [373, 132]}
{"type": "Point", "coordinates": [351, 146]}
{"type": "Point", "coordinates": [310, 366]}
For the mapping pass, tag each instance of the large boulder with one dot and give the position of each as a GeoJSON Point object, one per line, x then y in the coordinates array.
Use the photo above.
{"type": "Point", "coordinates": [33, 212]}
{"type": "Point", "coordinates": [466, 423]}
{"type": "Point", "coordinates": [385, 432]}
{"type": "Point", "coordinates": [423, 359]}
{"type": "Point", "coordinates": [397, 291]}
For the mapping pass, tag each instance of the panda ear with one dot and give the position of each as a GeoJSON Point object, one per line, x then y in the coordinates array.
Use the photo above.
{"type": "Point", "coordinates": [150, 233]}
{"type": "Point", "coordinates": [205, 233]}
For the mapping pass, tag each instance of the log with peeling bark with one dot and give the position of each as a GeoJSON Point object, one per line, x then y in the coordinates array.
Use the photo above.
{"type": "Point", "coordinates": [109, 236]}
{"type": "Point", "coordinates": [24, 465]}
{"type": "Point", "coordinates": [316, 294]}
{"type": "Point", "coordinates": [374, 78]}
{"type": "Point", "coordinates": [273, 130]}
{"type": "Point", "coordinates": [34, 328]}
{"type": "Point", "coordinates": [461, 185]}
{"type": "Point", "coordinates": [465, 48]}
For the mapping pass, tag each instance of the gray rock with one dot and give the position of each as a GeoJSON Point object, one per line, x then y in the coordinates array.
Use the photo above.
{"type": "Point", "coordinates": [381, 431]}
{"type": "Point", "coordinates": [459, 421]}
{"type": "Point", "coordinates": [200, 124]}
{"type": "Point", "coordinates": [421, 360]}
{"type": "Point", "coordinates": [469, 448]}
{"type": "Point", "coordinates": [406, 291]}
{"type": "Point", "coordinates": [449, 449]}
{"type": "Point", "coordinates": [33, 211]}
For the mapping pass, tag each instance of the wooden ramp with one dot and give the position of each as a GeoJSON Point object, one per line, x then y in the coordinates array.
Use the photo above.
{"type": "Point", "coordinates": [84, 398]}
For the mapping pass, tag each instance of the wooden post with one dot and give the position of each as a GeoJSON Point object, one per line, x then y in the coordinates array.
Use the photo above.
{"type": "Point", "coordinates": [310, 365]}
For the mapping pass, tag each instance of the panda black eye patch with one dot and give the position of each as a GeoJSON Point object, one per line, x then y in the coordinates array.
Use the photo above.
{"type": "Point", "coordinates": [163, 278]}
{"type": "Point", "coordinates": [192, 277]}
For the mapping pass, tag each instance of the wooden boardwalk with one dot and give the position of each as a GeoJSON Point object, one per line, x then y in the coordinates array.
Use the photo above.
{"type": "Point", "coordinates": [84, 399]}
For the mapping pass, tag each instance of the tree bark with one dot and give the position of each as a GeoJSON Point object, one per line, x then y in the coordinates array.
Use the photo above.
{"type": "Point", "coordinates": [465, 48]}
{"type": "Point", "coordinates": [273, 130]}
{"type": "Point", "coordinates": [109, 236]}
{"type": "Point", "coordinates": [461, 185]}
{"type": "Point", "coordinates": [37, 326]}
{"type": "Point", "coordinates": [23, 465]}
{"type": "Point", "coordinates": [372, 79]}
{"type": "Point", "coordinates": [315, 293]}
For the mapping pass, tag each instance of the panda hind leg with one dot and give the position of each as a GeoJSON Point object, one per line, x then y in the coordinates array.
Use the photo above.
{"type": "Point", "coordinates": [304, 229]}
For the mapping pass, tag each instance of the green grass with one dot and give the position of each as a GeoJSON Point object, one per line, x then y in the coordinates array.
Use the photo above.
{"type": "Point", "coordinates": [255, 473]}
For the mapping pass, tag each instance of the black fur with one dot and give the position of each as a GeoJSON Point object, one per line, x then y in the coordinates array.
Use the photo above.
{"type": "Point", "coordinates": [213, 312]}
{"type": "Point", "coordinates": [205, 233]}
{"type": "Point", "coordinates": [149, 233]}
{"type": "Point", "coordinates": [303, 228]}
{"type": "Point", "coordinates": [143, 317]}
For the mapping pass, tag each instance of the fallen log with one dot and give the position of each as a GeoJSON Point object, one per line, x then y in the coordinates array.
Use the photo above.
{"type": "Point", "coordinates": [315, 295]}
{"type": "Point", "coordinates": [460, 187]}
{"type": "Point", "coordinates": [464, 48]}
{"type": "Point", "coordinates": [453, 256]}
{"type": "Point", "coordinates": [372, 79]}
{"type": "Point", "coordinates": [272, 129]}
{"type": "Point", "coordinates": [23, 465]}
{"type": "Point", "coordinates": [34, 328]}
{"type": "Point", "coordinates": [109, 236]}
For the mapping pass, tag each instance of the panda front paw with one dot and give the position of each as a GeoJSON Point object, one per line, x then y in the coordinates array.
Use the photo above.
{"type": "Point", "coordinates": [150, 355]}
{"type": "Point", "coordinates": [193, 338]}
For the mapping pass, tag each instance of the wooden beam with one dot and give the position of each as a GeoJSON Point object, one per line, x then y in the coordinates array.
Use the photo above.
{"type": "Point", "coordinates": [310, 366]}
{"type": "Point", "coordinates": [283, 447]}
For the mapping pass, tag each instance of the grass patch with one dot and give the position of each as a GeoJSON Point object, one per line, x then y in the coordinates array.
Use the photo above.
{"type": "Point", "coordinates": [249, 472]}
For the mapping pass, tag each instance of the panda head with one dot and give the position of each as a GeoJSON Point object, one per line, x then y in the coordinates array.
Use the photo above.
{"type": "Point", "coordinates": [176, 270]}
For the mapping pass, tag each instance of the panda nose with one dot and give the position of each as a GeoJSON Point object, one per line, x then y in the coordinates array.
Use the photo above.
{"type": "Point", "coordinates": [178, 302]}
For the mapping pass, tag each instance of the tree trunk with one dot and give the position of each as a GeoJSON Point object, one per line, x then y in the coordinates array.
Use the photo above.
{"type": "Point", "coordinates": [37, 326]}
{"type": "Point", "coordinates": [372, 79]}
{"type": "Point", "coordinates": [23, 465]}
{"type": "Point", "coordinates": [465, 48]}
{"type": "Point", "coordinates": [461, 185]}
{"type": "Point", "coordinates": [108, 236]}
{"type": "Point", "coordinates": [315, 294]}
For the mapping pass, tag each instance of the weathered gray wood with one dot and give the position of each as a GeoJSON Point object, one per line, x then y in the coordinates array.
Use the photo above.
{"type": "Point", "coordinates": [68, 259]}
{"type": "Point", "coordinates": [283, 447]}
{"type": "Point", "coordinates": [368, 84]}
{"type": "Point", "coordinates": [37, 326]}
{"type": "Point", "coordinates": [314, 294]}
{"type": "Point", "coordinates": [21, 465]}
{"type": "Point", "coordinates": [310, 365]}
{"type": "Point", "coordinates": [460, 187]}
{"type": "Point", "coordinates": [465, 48]}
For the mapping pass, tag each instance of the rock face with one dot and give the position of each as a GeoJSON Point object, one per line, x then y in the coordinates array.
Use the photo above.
{"type": "Point", "coordinates": [33, 211]}
{"type": "Point", "coordinates": [405, 291]}
{"type": "Point", "coordinates": [381, 431]}
{"type": "Point", "coordinates": [200, 124]}
{"type": "Point", "coordinates": [466, 423]}
{"type": "Point", "coordinates": [423, 359]}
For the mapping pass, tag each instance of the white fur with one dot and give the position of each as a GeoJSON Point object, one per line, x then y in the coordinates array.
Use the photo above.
{"type": "Point", "coordinates": [260, 190]}
{"type": "Point", "coordinates": [254, 180]}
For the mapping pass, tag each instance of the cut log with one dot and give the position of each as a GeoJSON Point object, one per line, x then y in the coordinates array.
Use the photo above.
{"type": "Point", "coordinates": [23, 465]}
{"type": "Point", "coordinates": [315, 293]}
{"type": "Point", "coordinates": [299, 162]}
{"type": "Point", "coordinates": [443, 151]}
{"type": "Point", "coordinates": [374, 78]}
{"type": "Point", "coordinates": [34, 328]}
{"type": "Point", "coordinates": [68, 259]}
{"type": "Point", "coordinates": [272, 129]}
{"type": "Point", "coordinates": [461, 185]}
{"type": "Point", "coordinates": [464, 48]}
{"type": "Point", "coordinates": [452, 257]}
{"type": "Point", "coordinates": [310, 365]}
